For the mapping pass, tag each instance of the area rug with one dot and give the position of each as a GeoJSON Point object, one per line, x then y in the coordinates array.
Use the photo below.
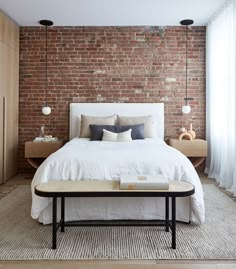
{"type": "Point", "coordinates": [22, 238]}
{"type": "Point", "coordinates": [5, 190]}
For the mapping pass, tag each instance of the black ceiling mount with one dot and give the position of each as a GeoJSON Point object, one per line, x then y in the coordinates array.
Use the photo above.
{"type": "Point", "coordinates": [186, 22]}
{"type": "Point", "coordinates": [46, 22]}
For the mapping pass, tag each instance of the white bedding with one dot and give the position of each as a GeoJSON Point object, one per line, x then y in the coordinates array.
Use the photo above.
{"type": "Point", "coordinates": [81, 159]}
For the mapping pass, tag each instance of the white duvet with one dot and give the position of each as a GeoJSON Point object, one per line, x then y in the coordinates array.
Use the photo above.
{"type": "Point", "coordinates": [81, 159]}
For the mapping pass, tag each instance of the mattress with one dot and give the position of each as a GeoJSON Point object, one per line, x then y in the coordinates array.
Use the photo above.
{"type": "Point", "coordinates": [82, 159]}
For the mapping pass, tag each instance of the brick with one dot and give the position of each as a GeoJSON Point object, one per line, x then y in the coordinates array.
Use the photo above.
{"type": "Point", "coordinates": [108, 64]}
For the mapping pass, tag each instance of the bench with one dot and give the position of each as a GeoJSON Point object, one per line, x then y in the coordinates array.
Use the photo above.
{"type": "Point", "coordinates": [109, 188]}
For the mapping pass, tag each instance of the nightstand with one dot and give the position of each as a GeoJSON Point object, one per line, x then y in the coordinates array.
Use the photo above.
{"type": "Point", "coordinates": [195, 150]}
{"type": "Point", "coordinates": [37, 152]}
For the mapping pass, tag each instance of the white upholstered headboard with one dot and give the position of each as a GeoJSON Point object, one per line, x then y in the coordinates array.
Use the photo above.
{"type": "Point", "coordinates": [123, 109]}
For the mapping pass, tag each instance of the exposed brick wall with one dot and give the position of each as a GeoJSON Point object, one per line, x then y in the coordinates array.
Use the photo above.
{"type": "Point", "coordinates": [108, 64]}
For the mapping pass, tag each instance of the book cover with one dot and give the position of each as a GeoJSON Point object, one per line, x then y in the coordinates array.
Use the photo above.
{"type": "Point", "coordinates": [144, 182]}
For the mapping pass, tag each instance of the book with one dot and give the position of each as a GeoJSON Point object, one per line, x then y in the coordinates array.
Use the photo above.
{"type": "Point", "coordinates": [46, 138]}
{"type": "Point", "coordinates": [144, 182]}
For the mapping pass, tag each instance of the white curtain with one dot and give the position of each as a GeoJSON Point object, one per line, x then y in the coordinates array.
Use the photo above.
{"type": "Point", "coordinates": [221, 96]}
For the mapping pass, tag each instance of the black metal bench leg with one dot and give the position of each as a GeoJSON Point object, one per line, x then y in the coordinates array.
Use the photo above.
{"type": "Point", "coordinates": [173, 221]}
{"type": "Point", "coordinates": [62, 214]}
{"type": "Point", "coordinates": [54, 223]}
{"type": "Point", "coordinates": [167, 214]}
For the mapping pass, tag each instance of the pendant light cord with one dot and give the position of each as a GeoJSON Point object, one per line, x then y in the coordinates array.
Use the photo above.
{"type": "Point", "coordinates": [46, 66]}
{"type": "Point", "coordinates": [186, 100]}
{"type": "Point", "coordinates": [46, 110]}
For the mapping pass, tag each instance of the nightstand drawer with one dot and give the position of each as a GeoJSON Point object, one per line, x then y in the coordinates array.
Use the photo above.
{"type": "Point", "coordinates": [37, 152]}
{"type": "Point", "coordinates": [41, 149]}
{"type": "Point", "coordinates": [194, 148]}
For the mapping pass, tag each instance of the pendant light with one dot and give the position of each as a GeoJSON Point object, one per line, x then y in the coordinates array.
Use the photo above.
{"type": "Point", "coordinates": [186, 108]}
{"type": "Point", "coordinates": [46, 110]}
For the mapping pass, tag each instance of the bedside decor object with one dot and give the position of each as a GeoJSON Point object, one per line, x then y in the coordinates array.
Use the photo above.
{"type": "Point", "coordinates": [191, 132]}
{"type": "Point", "coordinates": [46, 138]}
{"type": "Point", "coordinates": [188, 135]}
{"type": "Point", "coordinates": [186, 108]}
{"type": "Point", "coordinates": [185, 135]}
{"type": "Point", "coordinates": [43, 137]}
{"type": "Point", "coordinates": [46, 110]}
{"type": "Point", "coordinates": [42, 132]}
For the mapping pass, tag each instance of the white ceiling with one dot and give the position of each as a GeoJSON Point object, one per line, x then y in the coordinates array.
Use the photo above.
{"type": "Point", "coordinates": [110, 12]}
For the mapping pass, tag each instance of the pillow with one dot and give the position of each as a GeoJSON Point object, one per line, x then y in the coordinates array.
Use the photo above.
{"type": "Point", "coordinates": [117, 137]}
{"type": "Point", "coordinates": [146, 120]}
{"type": "Point", "coordinates": [87, 120]}
{"type": "Point", "coordinates": [136, 133]}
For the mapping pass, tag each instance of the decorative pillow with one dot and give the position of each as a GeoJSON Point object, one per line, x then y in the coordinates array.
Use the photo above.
{"type": "Point", "coordinates": [97, 130]}
{"type": "Point", "coordinates": [117, 137]}
{"type": "Point", "coordinates": [87, 120]}
{"type": "Point", "coordinates": [146, 120]}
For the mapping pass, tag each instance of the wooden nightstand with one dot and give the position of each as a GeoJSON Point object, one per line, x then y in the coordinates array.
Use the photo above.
{"type": "Point", "coordinates": [37, 152]}
{"type": "Point", "coordinates": [195, 150]}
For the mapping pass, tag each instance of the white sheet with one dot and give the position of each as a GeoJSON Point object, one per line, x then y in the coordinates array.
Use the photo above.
{"type": "Point", "coordinates": [82, 159]}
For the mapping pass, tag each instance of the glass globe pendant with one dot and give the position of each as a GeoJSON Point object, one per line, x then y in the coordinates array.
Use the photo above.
{"type": "Point", "coordinates": [186, 109]}
{"type": "Point", "coordinates": [46, 110]}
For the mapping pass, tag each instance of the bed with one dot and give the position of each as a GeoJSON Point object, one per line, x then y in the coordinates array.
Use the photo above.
{"type": "Point", "coordinates": [82, 159]}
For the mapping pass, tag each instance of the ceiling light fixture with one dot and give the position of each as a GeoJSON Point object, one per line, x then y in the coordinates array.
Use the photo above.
{"type": "Point", "coordinates": [186, 108]}
{"type": "Point", "coordinates": [46, 110]}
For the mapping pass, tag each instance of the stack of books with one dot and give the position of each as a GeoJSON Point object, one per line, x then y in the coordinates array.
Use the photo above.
{"type": "Point", "coordinates": [46, 138]}
{"type": "Point", "coordinates": [144, 182]}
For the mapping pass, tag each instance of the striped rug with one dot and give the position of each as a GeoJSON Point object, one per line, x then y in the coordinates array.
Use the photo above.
{"type": "Point", "coordinates": [22, 238]}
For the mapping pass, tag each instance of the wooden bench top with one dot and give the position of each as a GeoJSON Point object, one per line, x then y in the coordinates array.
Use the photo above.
{"type": "Point", "coordinates": [105, 187]}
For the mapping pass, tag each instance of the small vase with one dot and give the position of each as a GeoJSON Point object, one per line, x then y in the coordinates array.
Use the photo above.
{"type": "Point", "coordinates": [42, 133]}
{"type": "Point", "coordinates": [191, 132]}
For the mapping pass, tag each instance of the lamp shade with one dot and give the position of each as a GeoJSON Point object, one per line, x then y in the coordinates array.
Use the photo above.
{"type": "Point", "coordinates": [46, 110]}
{"type": "Point", "coordinates": [186, 109]}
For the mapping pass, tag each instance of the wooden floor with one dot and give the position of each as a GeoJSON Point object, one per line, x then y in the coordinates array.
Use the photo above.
{"type": "Point", "coordinates": [111, 264]}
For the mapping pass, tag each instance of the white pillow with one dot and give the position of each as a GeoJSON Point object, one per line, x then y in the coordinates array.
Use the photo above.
{"type": "Point", "coordinates": [117, 137]}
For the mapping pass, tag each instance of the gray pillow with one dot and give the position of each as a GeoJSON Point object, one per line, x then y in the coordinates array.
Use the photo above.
{"type": "Point", "coordinates": [136, 133]}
